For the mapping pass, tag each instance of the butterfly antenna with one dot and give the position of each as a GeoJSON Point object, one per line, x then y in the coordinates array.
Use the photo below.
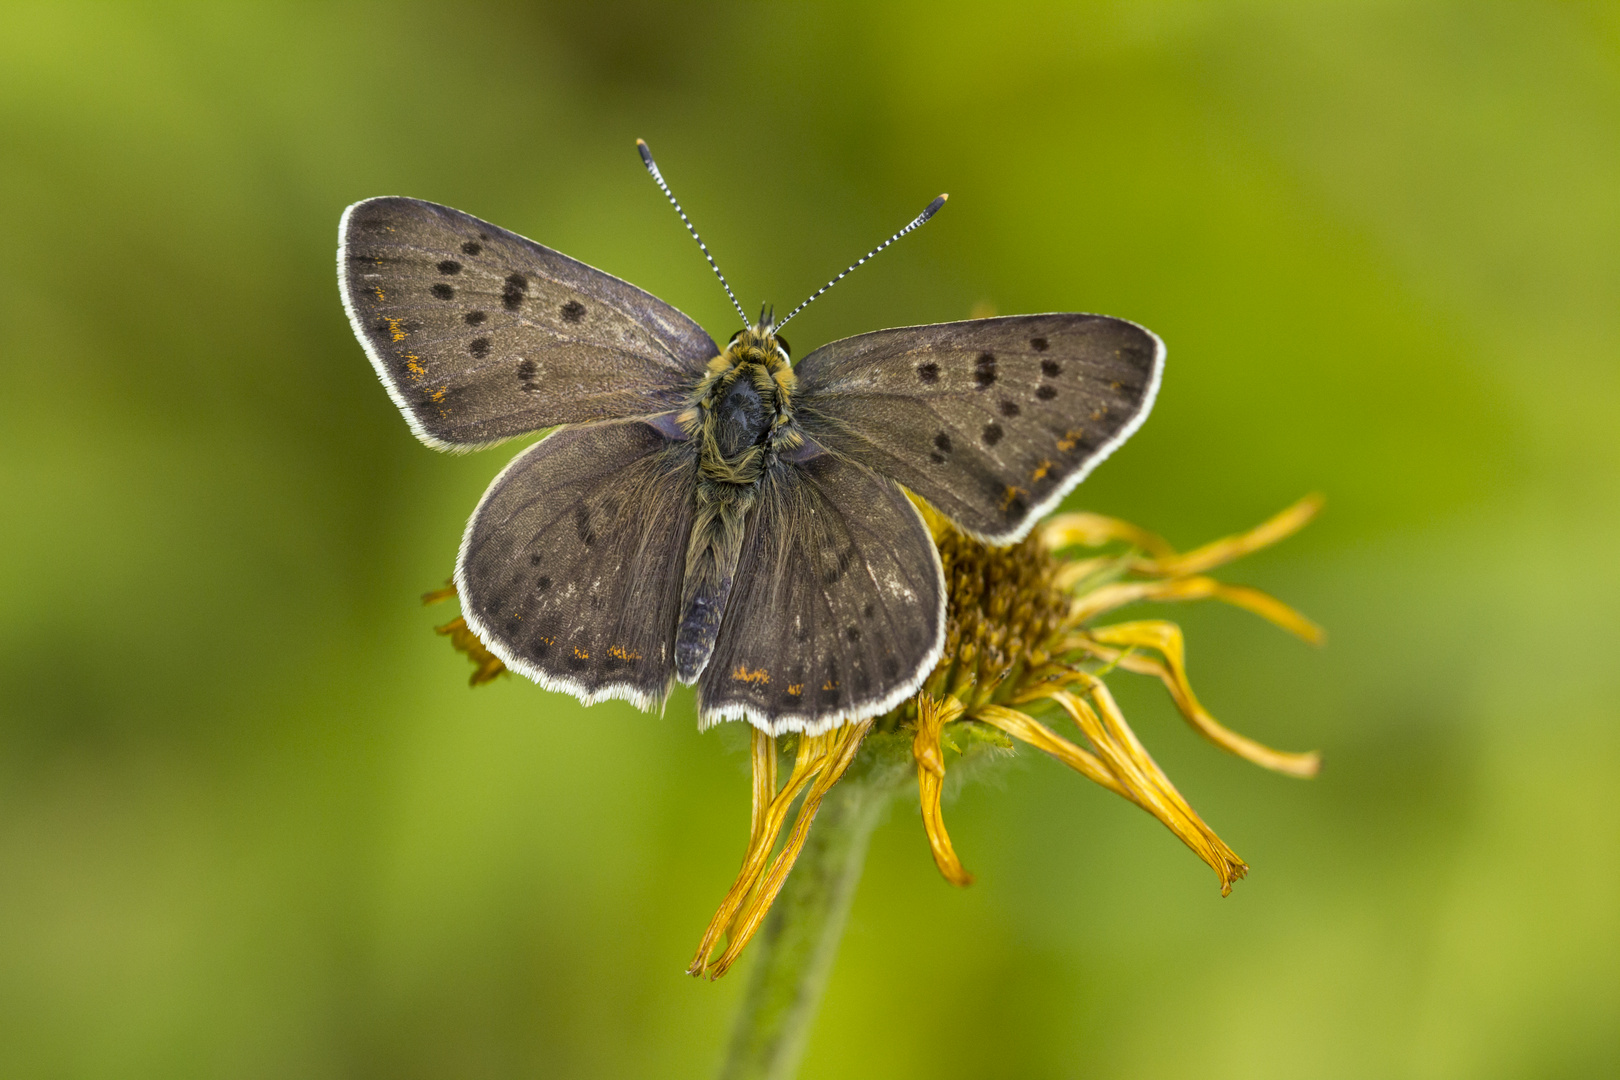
{"type": "Point", "coordinates": [929, 211]}
{"type": "Point", "coordinates": [658, 178]}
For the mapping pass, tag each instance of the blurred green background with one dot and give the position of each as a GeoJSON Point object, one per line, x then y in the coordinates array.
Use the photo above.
{"type": "Point", "coordinates": [254, 824]}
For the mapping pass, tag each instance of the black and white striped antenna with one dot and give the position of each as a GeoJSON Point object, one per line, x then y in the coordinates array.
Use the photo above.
{"type": "Point", "coordinates": [929, 211]}
{"type": "Point", "coordinates": [658, 178]}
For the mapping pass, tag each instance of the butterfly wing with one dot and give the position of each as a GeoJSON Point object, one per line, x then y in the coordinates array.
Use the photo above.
{"type": "Point", "coordinates": [480, 334]}
{"type": "Point", "coordinates": [838, 610]}
{"type": "Point", "coordinates": [570, 569]}
{"type": "Point", "coordinates": [992, 421]}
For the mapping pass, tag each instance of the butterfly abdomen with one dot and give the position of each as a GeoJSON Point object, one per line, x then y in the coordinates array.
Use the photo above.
{"type": "Point", "coordinates": [718, 526]}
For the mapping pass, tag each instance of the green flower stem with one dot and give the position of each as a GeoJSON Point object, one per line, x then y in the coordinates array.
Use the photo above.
{"type": "Point", "coordinates": [793, 954]}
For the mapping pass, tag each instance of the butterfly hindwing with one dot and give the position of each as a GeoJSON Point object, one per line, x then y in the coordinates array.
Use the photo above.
{"type": "Point", "coordinates": [992, 421]}
{"type": "Point", "coordinates": [570, 567]}
{"type": "Point", "coordinates": [480, 334]}
{"type": "Point", "coordinates": [838, 608]}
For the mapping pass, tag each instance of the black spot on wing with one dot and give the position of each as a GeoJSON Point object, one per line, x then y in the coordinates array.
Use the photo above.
{"type": "Point", "coordinates": [943, 442]}
{"type": "Point", "coordinates": [474, 318]}
{"type": "Point", "coordinates": [449, 266]}
{"type": "Point", "coordinates": [853, 633]}
{"type": "Point", "coordinates": [443, 291]}
{"type": "Point", "coordinates": [992, 433]}
{"type": "Point", "coordinates": [1008, 408]}
{"type": "Point", "coordinates": [471, 247]}
{"type": "Point", "coordinates": [984, 371]}
{"type": "Point", "coordinates": [835, 573]}
{"type": "Point", "coordinates": [526, 369]}
{"type": "Point", "coordinates": [1039, 344]}
{"type": "Point", "coordinates": [1046, 393]}
{"type": "Point", "coordinates": [512, 293]}
{"type": "Point", "coordinates": [1050, 368]}
{"type": "Point", "coordinates": [573, 311]}
{"type": "Point", "coordinates": [929, 372]}
{"type": "Point", "coordinates": [479, 347]}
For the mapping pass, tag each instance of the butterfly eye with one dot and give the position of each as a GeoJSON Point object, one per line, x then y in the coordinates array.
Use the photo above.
{"type": "Point", "coordinates": [787, 350]}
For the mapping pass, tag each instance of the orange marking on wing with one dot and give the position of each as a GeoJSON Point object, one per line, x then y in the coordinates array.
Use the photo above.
{"type": "Point", "coordinates": [381, 297]}
{"type": "Point", "coordinates": [394, 327]}
{"type": "Point", "coordinates": [1040, 471]}
{"type": "Point", "coordinates": [830, 684]}
{"type": "Point", "coordinates": [759, 676]}
{"type": "Point", "coordinates": [582, 654]}
{"type": "Point", "coordinates": [1010, 496]}
{"type": "Point", "coordinates": [619, 652]}
{"type": "Point", "coordinates": [795, 689]}
{"type": "Point", "coordinates": [1071, 439]}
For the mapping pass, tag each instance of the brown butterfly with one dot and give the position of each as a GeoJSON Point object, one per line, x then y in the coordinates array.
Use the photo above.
{"type": "Point", "coordinates": [720, 516]}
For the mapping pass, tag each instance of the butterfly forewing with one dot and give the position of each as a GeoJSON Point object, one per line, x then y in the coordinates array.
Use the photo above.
{"type": "Point", "coordinates": [570, 567]}
{"type": "Point", "coordinates": [992, 421]}
{"type": "Point", "coordinates": [838, 608]}
{"type": "Point", "coordinates": [480, 334]}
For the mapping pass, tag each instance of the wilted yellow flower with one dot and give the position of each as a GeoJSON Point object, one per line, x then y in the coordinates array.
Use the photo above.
{"type": "Point", "coordinates": [1023, 647]}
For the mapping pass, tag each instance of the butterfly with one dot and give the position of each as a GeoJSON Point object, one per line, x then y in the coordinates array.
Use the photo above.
{"type": "Point", "coordinates": [723, 517]}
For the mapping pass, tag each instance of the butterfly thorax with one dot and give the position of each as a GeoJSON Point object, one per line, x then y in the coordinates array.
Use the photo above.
{"type": "Point", "coordinates": [741, 411]}
{"type": "Point", "coordinates": [741, 417]}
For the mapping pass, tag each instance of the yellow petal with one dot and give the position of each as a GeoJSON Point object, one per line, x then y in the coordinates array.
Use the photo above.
{"type": "Point", "coordinates": [1095, 530]}
{"type": "Point", "coordinates": [1109, 597]}
{"type": "Point", "coordinates": [1223, 551]}
{"type": "Point", "coordinates": [812, 757]}
{"type": "Point", "coordinates": [932, 715]}
{"type": "Point", "coordinates": [1166, 639]}
{"type": "Point", "coordinates": [763, 750]}
{"type": "Point", "coordinates": [1122, 766]}
{"type": "Point", "coordinates": [841, 747]}
{"type": "Point", "coordinates": [1027, 729]}
{"type": "Point", "coordinates": [487, 665]}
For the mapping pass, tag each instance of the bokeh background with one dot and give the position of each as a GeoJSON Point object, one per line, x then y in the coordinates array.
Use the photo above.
{"type": "Point", "coordinates": [254, 824]}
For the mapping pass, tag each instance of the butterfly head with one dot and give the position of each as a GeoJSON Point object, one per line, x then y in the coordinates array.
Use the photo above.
{"type": "Point", "coordinates": [760, 343]}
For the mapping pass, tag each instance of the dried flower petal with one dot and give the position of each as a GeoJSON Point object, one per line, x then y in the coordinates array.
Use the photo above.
{"type": "Point", "coordinates": [1220, 552]}
{"type": "Point", "coordinates": [838, 750]}
{"type": "Point", "coordinates": [1166, 639]}
{"type": "Point", "coordinates": [932, 715]}
{"type": "Point", "coordinates": [1095, 530]}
